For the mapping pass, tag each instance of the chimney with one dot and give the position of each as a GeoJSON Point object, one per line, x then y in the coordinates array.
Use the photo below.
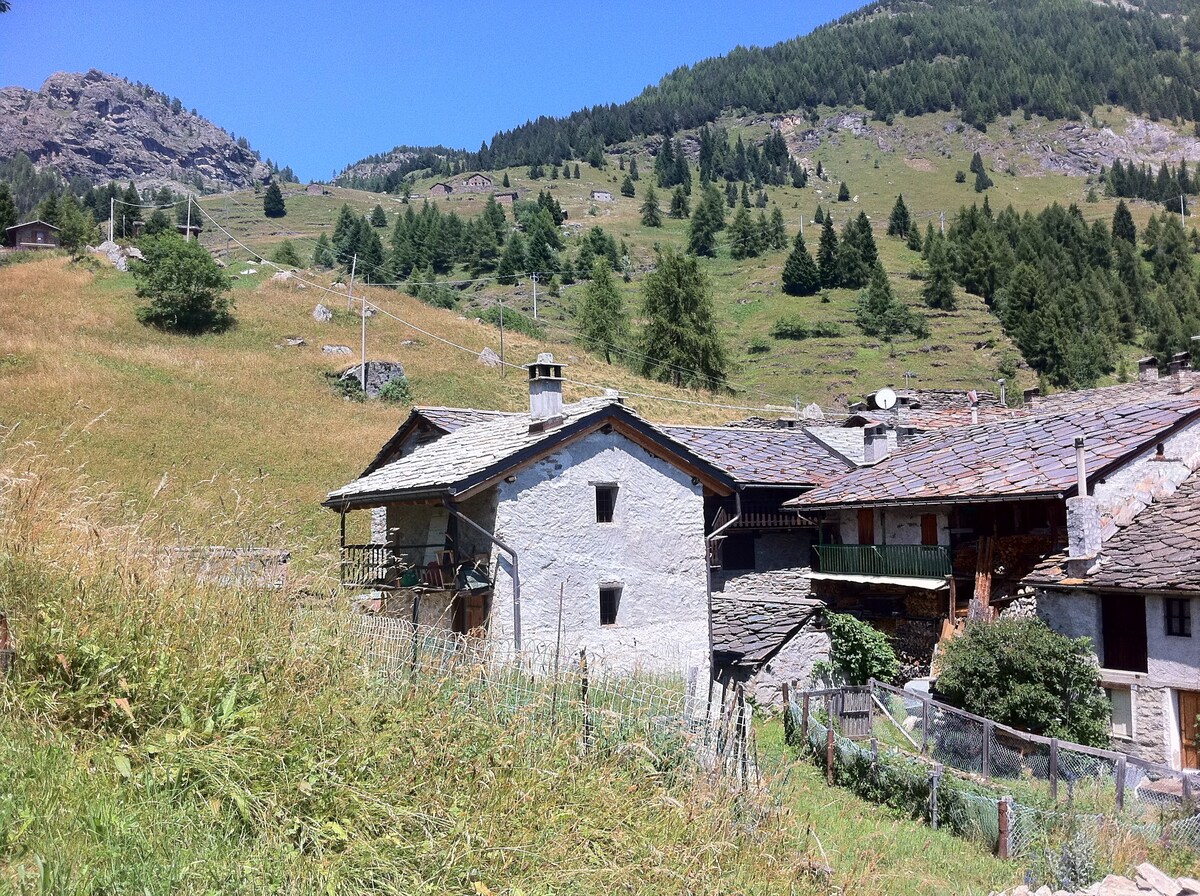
{"type": "Point", "coordinates": [1147, 370]}
{"type": "Point", "coordinates": [875, 444]}
{"type": "Point", "coordinates": [1030, 394]}
{"type": "Point", "coordinates": [1003, 384]}
{"type": "Point", "coordinates": [1083, 521]}
{"type": "Point", "coordinates": [905, 434]}
{"type": "Point", "coordinates": [545, 393]}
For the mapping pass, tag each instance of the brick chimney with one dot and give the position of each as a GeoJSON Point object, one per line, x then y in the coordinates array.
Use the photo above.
{"type": "Point", "coordinates": [875, 444]}
{"type": "Point", "coordinates": [1147, 370]}
{"type": "Point", "coordinates": [545, 393]}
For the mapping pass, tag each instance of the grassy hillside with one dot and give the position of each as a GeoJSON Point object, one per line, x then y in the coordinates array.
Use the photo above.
{"type": "Point", "coordinates": [917, 157]}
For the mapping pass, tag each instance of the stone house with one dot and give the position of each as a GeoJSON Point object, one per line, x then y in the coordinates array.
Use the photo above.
{"type": "Point", "coordinates": [661, 540]}
{"type": "Point", "coordinates": [33, 235]}
{"type": "Point", "coordinates": [315, 190]}
{"type": "Point", "coordinates": [441, 189]}
{"type": "Point", "coordinates": [602, 196]}
{"type": "Point", "coordinates": [507, 197]}
{"type": "Point", "coordinates": [949, 523]}
{"type": "Point", "coordinates": [476, 183]}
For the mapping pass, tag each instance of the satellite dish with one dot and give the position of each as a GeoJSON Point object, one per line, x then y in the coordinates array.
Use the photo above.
{"type": "Point", "coordinates": [885, 399]}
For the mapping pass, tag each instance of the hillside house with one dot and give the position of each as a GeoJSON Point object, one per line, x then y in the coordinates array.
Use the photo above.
{"type": "Point", "coordinates": [507, 197]}
{"type": "Point", "coordinates": [441, 189]}
{"type": "Point", "coordinates": [476, 183]}
{"type": "Point", "coordinates": [948, 523]}
{"type": "Point", "coordinates": [482, 517]}
{"type": "Point", "coordinates": [315, 190]}
{"type": "Point", "coordinates": [602, 196]}
{"type": "Point", "coordinates": [33, 235]}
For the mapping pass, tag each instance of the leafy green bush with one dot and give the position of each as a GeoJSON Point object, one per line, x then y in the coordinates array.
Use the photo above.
{"type": "Point", "coordinates": [396, 391]}
{"type": "Point", "coordinates": [513, 320]}
{"type": "Point", "coordinates": [858, 651]}
{"type": "Point", "coordinates": [758, 346]}
{"type": "Point", "coordinates": [794, 327]}
{"type": "Point", "coordinates": [1024, 674]}
{"type": "Point", "coordinates": [187, 290]}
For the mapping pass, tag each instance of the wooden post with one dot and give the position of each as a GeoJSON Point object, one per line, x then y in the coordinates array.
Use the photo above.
{"type": "Point", "coordinates": [804, 718]}
{"type": "Point", "coordinates": [1004, 825]}
{"type": "Point", "coordinates": [1120, 783]}
{"type": "Point", "coordinates": [787, 695]}
{"type": "Point", "coordinates": [935, 778]}
{"type": "Point", "coordinates": [583, 700]}
{"type": "Point", "coordinates": [1054, 768]}
{"type": "Point", "coordinates": [924, 725]}
{"type": "Point", "coordinates": [829, 739]}
{"type": "Point", "coordinates": [870, 710]}
{"type": "Point", "coordinates": [874, 749]}
{"type": "Point", "coordinates": [986, 760]}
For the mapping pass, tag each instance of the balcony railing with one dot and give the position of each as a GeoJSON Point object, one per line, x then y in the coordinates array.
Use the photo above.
{"type": "Point", "coordinates": [371, 565]}
{"type": "Point", "coordinates": [899, 560]}
{"type": "Point", "coordinates": [390, 566]}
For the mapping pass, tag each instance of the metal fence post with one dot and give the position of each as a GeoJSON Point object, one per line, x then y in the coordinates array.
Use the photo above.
{"type": "Point", "coordinates": [583, 700]}
{"type": "Point", "coordinates": [924, 725]}
{"type": "Point", "coordinates": [986, 760]}
{"type": "Point", "coordinates": [829, 739]}
{"type": "Point", "coordinates": [804, 718]}
{"type": "Point", "coordinates": [935, 778]}
{"type": "Point", "coordinates": [1120, 783]}
{"type": "Point", "coordinates": [1004, 825]}
{"type": "Point", "coordinates": [1054, 768]}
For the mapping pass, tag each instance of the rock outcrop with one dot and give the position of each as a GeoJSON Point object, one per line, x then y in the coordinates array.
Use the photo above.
{"type": "Point", "coordinates": [1149, 881]}
{"type": "Point", "coordinates": [103, 128]}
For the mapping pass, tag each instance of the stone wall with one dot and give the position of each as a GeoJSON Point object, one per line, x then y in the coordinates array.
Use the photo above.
{"type": "Point", "coordinates": [654, 550]}
{"type": "Point", "coordinates": [1128, 491]}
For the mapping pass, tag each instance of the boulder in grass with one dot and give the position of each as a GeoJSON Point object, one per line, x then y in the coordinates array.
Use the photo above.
{"type": "Point", "coordinates": [321, 314]}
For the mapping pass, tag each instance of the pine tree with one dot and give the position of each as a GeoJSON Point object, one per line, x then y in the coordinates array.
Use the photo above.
{"type": "Point", "coordinates": [899, 221]}
{"type": "Point", "coordinates": [627, 188]}
{"type": "Point", "coordinates": [506, 184]}
{"type": "Point", "coordinates": [742, 239]}
{"type": "Point", "coordinates": [745, 196]}
{"type": "Point", "coordinates": [8, 210]}
{"type": "Point", "coordinates": [939, 284]}
{"type": "Point", "coordinates": [285, 254]}
{"type": "Point", "coordinates": [680, 207]}
{"type": "Point", "coordinates": [843, 193]}
{"type": "Point", "coordinates": [914, 239]}
{"type": "Point", "coordinates": [345, 236]}
{"type": "Point", "coordinates": [680, 343]}
{"type": "Point", "coordinates": [323, 256]}
{"type": "Point", "coordinates": [708, 219]}
{"type": "Point", "coordinates": [880, 313]}
{"type": "Point", "coordinates": [273, 204]}
{"type": "Point", "coordinates": [800, 274]}
{"type": "Point", "coordinates": [651, 213]}
{"type": "Point", "coordinates": [777, 235]}
{"type": "Point", "coordinates": [378, 216]}
{"type": "Point", "coordinates": [819, 215]}
{"type": "Point", "coordinates": [512, 261]}
{"type": "Point", "coordinates": [603, 323]}
{"type": "Point", "coordinates": [576, 172]}
{"type": "Point", "coordinates": [633, 169]}
{"type": "Point", "coordinates": [827, 254]}
{"type": "Point", "coordinates": [1122, 224]}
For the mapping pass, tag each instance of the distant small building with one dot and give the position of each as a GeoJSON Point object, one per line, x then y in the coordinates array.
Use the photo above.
{"type": "Point", "coordinates": [441, 189]}
{"type": "Point", "coordinates": [189, 231]}
{"type": "Point", "coordinates": [476, 183]}
{"type": "Point", "coordinates": [507, 198]}
{"type": "Point", "coordinates": [33, 235]}
{"type": "Point", "coordinates": [315, 189]}
{"type": "Point", "coordinates": [602, 196]}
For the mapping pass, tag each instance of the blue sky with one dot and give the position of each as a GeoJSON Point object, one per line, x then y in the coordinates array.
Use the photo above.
{"type": "Point", "coordinates": [319, 85]}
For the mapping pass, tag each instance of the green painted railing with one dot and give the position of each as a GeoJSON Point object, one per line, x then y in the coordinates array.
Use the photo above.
{"type": "Point", "coordinates": [906, 560]}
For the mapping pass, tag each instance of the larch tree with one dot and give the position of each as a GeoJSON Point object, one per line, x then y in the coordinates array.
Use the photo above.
{"type": "Point", "coordinates": [899, 221]}
{"type": "Point", "coordinates": [651, 212]}
{"type": "Point", "coordinates": [800, 274]}
{"type": "Point", "coordinates": [603, 323]}
{"type": "Point", "coordinates": [827, 253]}
{"type": "Point", "coordinates": [273, 204]}
{"type": "Point", "coordinates": [680, 343]}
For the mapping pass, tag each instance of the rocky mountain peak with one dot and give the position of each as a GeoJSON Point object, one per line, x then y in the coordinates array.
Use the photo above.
{"type": "Point", "coordinates": [101, 127]}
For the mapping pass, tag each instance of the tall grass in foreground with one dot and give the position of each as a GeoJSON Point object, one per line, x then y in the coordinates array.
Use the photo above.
{"type": "Point", "coordinates": [158, 735]}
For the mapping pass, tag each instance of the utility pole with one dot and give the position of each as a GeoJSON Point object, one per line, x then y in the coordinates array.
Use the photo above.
{"type": "Point", "coordinates": [503, 365]}
{"type": "Point", "coordinates": [1182, 220]}
{"type": "Point", "coordinates": [942, 216]}
{"type": "Point", "coordinates": [534, 278]}
{"type": "Point", "coordinates": [350, 294]}
{"type": "Point", "coordinates": [112, 213]}
{"type": "Point", "coordinates": [187, 236]}
{"type": "Point", "coordinates": [363, 375]}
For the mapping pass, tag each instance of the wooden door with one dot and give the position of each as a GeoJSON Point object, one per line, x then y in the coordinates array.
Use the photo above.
{"type": "Point", "coordinates": [866, 526]}
{"type": "Point", "coordinates": [929, 528]}
{"type": "Point", "coordinates": [1123, 631]}
{"type": "Point", "coordinates": [1189, 747]}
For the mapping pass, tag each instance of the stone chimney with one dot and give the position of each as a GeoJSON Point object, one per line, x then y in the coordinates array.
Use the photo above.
{"type": "Point", "coordinates": [1147, 370]}
{"type": "Point", "coordinates": [1029, 395]}
{"type": "Point", "coordinates": [875, 444]}
{"type": "Point", "coordinates": [1003, 384]}
{"type": "Point", "coordinates": [545, 393]}
{"type": "Point", "coordinates": [904, 435]}
{"type": "Point", "coordinates": [1083, 522]}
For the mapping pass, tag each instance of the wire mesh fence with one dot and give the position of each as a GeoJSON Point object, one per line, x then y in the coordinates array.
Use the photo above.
{"type": "Point", "coordinates": [1056, 805]}
{"type": "Point", "coordinates": [549, 694]}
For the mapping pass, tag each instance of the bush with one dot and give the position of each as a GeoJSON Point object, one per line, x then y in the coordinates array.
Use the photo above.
{"type": "Point", "coordinates": [513, 320]}
{"type": "Point", "coordinates": [858, 651]}
{"type": "Point", "coordinates": [1023, 674]}
{"type": "Point", "coordinates": [795, 328]}
{"type": "Point", "coordinates": [187, 290]}
{"type": "Point", "coordinates": [758, 346]}
{"type": "Point", "coordinates": [396, 391]}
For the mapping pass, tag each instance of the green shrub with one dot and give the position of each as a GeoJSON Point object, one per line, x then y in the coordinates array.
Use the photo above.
{"type": "Point", "coordinates": [187, 290]}
{"type": "Point", "coordinates": [1022, 673]}
{"type": "Point", "coordinates": [858, 651]}
{"type": "Point", "coordinates": [513, 320]}
{"type": "Point", "coordinates": [758, 346]}
{"type": "Point", "coordinates": [396, 391]}
{"type": "Point", "coordinates": [790, 328]}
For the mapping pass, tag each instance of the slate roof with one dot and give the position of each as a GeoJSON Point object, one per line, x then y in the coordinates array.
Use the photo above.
{"type": "Point", "coordinates": [446, 419]}
{"type": "Point", "coordinates": [1159, 550]}
{"type": "Point", "coordinates": [1026, 457]}
{"type": "Point", "coordinates": [459, 456]}
{"type": "Point", "coordinates": [845, 440]}
{"type": "Point", "coordinates": [749, 631]}
{"type": "Point", "coordinates": [1117, 395]}
{"type": "Point", "coordinates": [762, 456]}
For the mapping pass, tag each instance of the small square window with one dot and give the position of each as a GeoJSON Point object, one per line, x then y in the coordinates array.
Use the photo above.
{"type": "Point", "coordinates": [606, 503]}
{"type": "Point", "coordinates": [1178, 613]}
{"type": "Point", "coordinates": [610, 601]}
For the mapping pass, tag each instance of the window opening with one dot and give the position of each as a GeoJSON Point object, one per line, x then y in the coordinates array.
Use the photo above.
{"type": "Point", "coordinates": [610, 601]}
{"type": "Point", "coordinates": [606, 503]}
{"type": "Point", "coordinates": [1178, 612]}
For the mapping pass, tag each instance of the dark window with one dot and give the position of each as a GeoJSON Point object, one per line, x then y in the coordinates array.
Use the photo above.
{"type": "Point", "coordinates": [1178, 611]}
{"type": "Point", "coordinates": [866, 526]}
{"type": "Point", "coordinates": [1123, 623]}
{"type": "Point", "coordinates": [929, 528]}
{"type": "Point", "coordinates": [606, 502]}
{"type": "Point", "coordinates": [737, 553]}
{"type": "Point", "coordinates": [610, 600]}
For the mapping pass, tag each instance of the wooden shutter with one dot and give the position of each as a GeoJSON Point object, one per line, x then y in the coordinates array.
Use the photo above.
{"type": "Point", "coordinates": [1123, 625]}
{"type": "Point", "coordinates": [866, 526]}
{"type": "Point", "coordinates": [929, 528]}
{"type": "Point", "coordinates": [1189, 709]}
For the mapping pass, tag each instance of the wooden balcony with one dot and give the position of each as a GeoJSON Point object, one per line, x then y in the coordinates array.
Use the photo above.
{"type": "Point", "coordinates": [371, 566]}
{"type": "Point", "coordinates": [893, 560]}
{"type": "Point", "coordinates": [387, 567]}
